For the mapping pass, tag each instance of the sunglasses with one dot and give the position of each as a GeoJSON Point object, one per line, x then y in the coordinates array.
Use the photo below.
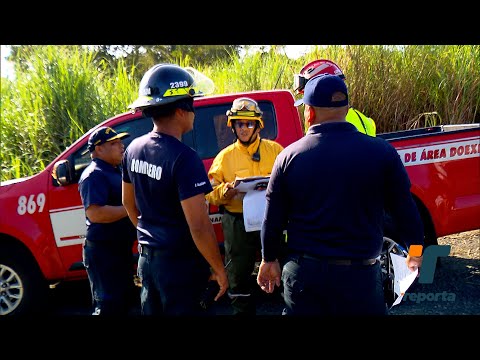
{"type": "Point", "coordinates": [249, 124]}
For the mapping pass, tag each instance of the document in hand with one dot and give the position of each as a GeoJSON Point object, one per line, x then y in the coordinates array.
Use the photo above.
{"type": "Point", "coordinates": [403, 277]}
{"type": "Point", "coordinates": [249, 183]}
{"type": "Point", "coordinates": [254, 204]}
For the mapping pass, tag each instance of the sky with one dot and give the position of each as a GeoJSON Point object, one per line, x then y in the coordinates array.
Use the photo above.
{"type": "Point", "coordinates": [292, 51]}
{"type": "Point", "coordinates": [6, 69]}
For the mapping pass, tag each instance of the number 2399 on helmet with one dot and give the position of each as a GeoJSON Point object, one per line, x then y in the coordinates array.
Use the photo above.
{"type": "Point", "coordinates": [314, 68]}
{"type": "Point", "coordinates": [165, 83]}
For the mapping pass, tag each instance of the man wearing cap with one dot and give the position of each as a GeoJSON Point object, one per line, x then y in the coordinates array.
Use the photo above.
{"type": "Point", "coordinates": [362, 122]}
{"type": "Point", "coordinates": [328, 190]}
{"type": "Point", "coordinates": [107, 251]}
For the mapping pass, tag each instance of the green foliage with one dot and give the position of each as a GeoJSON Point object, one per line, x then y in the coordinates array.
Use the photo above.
{"type": "Point", "coordinates": [41, 112]}
{"type": "Point", "coordinates": [62, 91]}
{"type": "Point", "coordinates": [404, 87]}
{"type": "Point", "coordinates": [143, 57]}
{"type": "Point", "coordinates": [257, 71]}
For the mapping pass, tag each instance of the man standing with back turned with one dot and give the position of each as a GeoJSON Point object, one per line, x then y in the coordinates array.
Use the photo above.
{"type": "Point", "coordinates": [328, 190]}
{"type": "Point", "coordinates": [164, 187]}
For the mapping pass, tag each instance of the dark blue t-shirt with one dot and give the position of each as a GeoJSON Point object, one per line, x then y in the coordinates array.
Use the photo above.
{"type": "Point", "coordinates": [101, 184]}
{"type": "Point", "coordinates": [164, 171]}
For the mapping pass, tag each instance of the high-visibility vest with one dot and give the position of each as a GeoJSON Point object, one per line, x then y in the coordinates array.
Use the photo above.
{"type": "Point", "coordinates": [363, 123]}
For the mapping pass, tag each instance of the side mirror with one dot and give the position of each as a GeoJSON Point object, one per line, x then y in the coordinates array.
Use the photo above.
{"type": "Point", "coordinates": [62, 174]}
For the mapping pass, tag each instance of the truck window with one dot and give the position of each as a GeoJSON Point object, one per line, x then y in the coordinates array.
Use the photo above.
{"type": "Point", "coordinates": [210, 133]}
{"type": "Point", "coordinates": [135, 128]}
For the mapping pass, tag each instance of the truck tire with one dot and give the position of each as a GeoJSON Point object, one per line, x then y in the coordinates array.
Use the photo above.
{"type": "Point", "coordinates": [22, 286]}
{"type": "Point", "coordinates": [388, 275]}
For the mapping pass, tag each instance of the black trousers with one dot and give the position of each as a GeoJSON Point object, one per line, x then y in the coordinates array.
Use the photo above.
{"type": "Point", "coordinates": [315, 287]}
{"type": "Point", "coordinates": [110, 272]}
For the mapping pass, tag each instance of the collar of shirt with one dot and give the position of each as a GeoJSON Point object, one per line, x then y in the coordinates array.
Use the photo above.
{"type": "Point", "coordinates": [251, 148]}
{"type": "Point", "coordinates": [331, 127]}
{"type": "Point", "coordinates": [106, 166]}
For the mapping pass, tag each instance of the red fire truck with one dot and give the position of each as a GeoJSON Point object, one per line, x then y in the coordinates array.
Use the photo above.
{"type": "Point", "coordinates": [42, 220]}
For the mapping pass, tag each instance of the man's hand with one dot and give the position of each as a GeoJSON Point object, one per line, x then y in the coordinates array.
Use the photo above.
{"type": "Point", "coordinates": [229, 192]}
{"type": "Point", "coordinates": [414, 262]}
{"type": "Point", "coordinates": [269, 275]}
{"type": "Point", "coordinates": [222, 281]}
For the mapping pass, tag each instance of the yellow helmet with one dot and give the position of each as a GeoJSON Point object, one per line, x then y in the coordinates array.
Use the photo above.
{"type": "Point", "coordinates": [245, 108]}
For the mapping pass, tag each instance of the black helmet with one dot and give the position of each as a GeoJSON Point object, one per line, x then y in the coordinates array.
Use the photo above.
{"type": "Point", "coordinates": [165, 83]}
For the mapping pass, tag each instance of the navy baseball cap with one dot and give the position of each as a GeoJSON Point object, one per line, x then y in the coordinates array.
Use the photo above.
{"type": "Point", "coordinates": [101, 136]}
{"type": "Point", "coordinates": [324, 90]}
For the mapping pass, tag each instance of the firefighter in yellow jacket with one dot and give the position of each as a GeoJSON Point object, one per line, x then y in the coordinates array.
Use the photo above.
{"type": "Point", "coordinates": [248, 156]}
{"type": "Point", "coordinates": [362, 122]}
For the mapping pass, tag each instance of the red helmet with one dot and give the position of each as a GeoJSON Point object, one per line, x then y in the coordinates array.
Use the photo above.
{"type": "Point", "coordinates": [314, 68]}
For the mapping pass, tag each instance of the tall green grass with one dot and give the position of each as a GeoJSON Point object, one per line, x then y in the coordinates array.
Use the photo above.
{"type": "Point", "coordinates": [65, 90]}
{"type": "Point", "coordinates": [413, 86]}
{"type": "Point", "coordinates": [63, 93]}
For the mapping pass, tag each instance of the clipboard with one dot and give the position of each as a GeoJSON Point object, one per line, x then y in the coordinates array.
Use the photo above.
{"type": "Point", "coordinates": [250, 183]}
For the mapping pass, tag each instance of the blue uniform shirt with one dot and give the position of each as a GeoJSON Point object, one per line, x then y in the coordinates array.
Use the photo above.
{"type": "Point", "coordinates": [329, 190]}
{"type": "Point", "coordinates": [164, 171]}
{"type": "Point", "coordinates": [101, 184]}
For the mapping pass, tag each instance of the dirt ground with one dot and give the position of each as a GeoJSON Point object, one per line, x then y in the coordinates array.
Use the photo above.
{"type": "Point", "coordinates": [464, 245]}
{"type": "Point", "coordinates": [455, 289]}
{"type": "Point", "coordinates": [456, 286]}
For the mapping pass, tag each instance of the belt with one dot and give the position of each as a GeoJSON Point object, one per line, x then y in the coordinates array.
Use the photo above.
{"type": "Point", "coordinates": [99, 244]}
{"type": "Point", "coordinates": [145, 250]}
{"type": "Point", "coordinates": [346, 262]}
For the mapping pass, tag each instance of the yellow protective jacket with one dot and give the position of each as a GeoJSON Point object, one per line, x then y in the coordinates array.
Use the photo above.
{"type": "Point", "coordinates": [236, 161]}
{"type": "Point", "coordinates": [363, 123]}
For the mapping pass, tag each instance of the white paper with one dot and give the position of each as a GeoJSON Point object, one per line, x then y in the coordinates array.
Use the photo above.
{"type": "Point", "coordinates": [254, 203]}
{"type": "Point", "coordinates": [403, 277]}
{"type": "Point", "coordinates": [246, 184]}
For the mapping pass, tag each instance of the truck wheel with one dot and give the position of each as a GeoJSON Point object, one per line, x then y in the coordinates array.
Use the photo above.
{"type": "Point", "coordinates": [22, 287]}
{"type": "Point", "coordinates": [388, 274]}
